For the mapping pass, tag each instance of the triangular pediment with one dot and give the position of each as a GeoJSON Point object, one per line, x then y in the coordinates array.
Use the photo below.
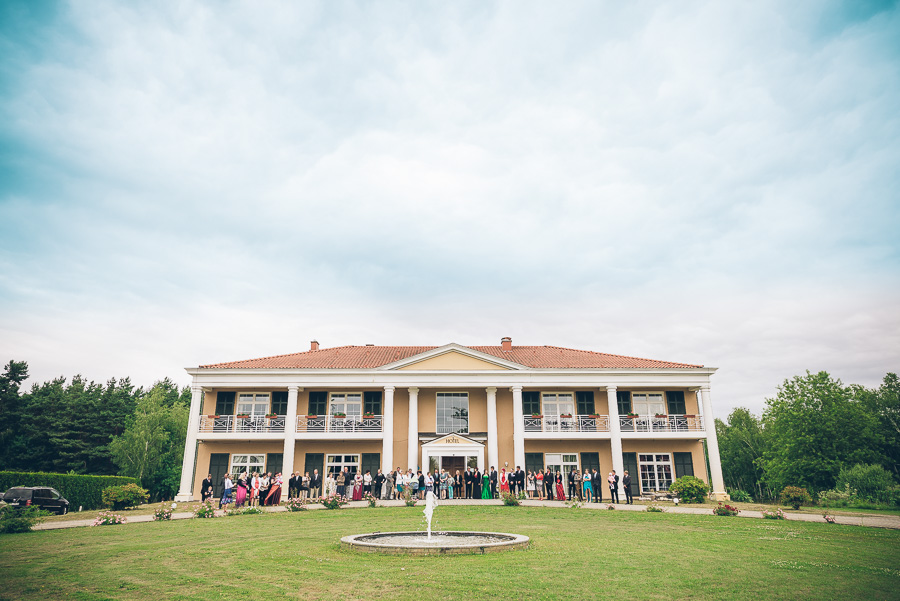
{"type": "Point", "coordinates": [453, 357]}
{"type": "Point", "coordinates": [452, 439]}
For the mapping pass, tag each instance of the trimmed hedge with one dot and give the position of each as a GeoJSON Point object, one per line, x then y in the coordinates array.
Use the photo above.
{"type": "Point", "coordinates": [84, 491]}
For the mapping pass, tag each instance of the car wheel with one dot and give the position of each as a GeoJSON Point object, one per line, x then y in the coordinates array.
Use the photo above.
{"type": "Point", "coordinates": [63, 510]}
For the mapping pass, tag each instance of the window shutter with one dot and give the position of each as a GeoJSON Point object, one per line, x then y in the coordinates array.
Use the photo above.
{"type": "Point", "coordinates": [218, 465]}
{"type": "Point", "coordinates": [225, 403]}
{"type": "Point", "coordinates": [623, 397]}
{"type": "Point", "coordinates": [534, 462]}
{"type": "Point", "coordinates": [318, 403]}
{"type": "Point", "coordinates": [675, 402]}
{"type": "Point", "coordinates": [372, 403]}
{"type": "Point", "coordinates": [590, 461]}
{"type": "Point", "coordinates": [274, 462]}
{"type": "Point", "coordinates": [279, 402]}
{"type": "Point", "coordinates": [370, 462]}
{"type": "Point", "coordinates": [531, 402]}
{"type": "Point", "coordinates": [684, 464]}
{"type": "Point", "coordinates": [629, 464]}
{"type": "Point", "coordinates": [584, 400]}
{"type": "Point", "coordinates": [315, 461]}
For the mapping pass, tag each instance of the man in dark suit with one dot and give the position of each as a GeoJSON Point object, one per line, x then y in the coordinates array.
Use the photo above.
{"type": "Point", "coordinates": [293, 486]}
{"type": "Point", "coordinates": [493, 480]}
{"type": "Point", "coordinates": [573, 492]}
{"type": "Point", "coordinates": [614, 488]}
{"type": "Point", "coordinates": [520, 479]}
{"type": "Point", "coordinates": [597, 486]}
{"type": "Point", "coordinates": [315, 485]}
{"type": "Point", "coordinates": [476, 484]}
{"type": "Point", "coordinates": [626, 484]}
{"type": "Point", "coordinates": [206, 489]}
{"type": "Point", "coordinates": [467, 478]}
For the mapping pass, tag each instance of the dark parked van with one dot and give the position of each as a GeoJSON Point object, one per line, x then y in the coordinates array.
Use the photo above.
{"type": "Point", "coordinates": [44, 497]}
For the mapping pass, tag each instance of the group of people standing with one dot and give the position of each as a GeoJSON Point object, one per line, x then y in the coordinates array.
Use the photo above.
{"type": "Point", "coordinates": [250, 489]}
{"type": "Point", "coordinates": [471, 484]}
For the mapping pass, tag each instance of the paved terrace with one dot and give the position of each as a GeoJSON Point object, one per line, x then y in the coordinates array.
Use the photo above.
{"type": "Point", "coordinates": [874, 521]}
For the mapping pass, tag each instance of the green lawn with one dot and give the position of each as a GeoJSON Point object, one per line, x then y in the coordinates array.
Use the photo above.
{"type": "Point", "coordinates": [574, 554]}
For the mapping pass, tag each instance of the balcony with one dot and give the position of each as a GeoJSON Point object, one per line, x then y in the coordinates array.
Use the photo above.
{"type": "Point", "coordinates": [234, 424]}
{"type": "Point", "coordinates": [575, 423]}
{"type": "Point", "coordinates": [340, 425]}
{"type": "Point", "coordinates": [666, 423]}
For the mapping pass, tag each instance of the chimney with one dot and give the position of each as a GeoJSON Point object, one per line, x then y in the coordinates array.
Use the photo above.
{"type": "Point", "coordinates": [314, 345]}
{"type": "Point", "coordinates": [506, 343]}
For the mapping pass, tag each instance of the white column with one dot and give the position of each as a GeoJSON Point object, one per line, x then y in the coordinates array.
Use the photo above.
{"type": "Point", "coordinates": [712, 447]}
{"type": "Point", "coordinates": [290, 433]}
{"type": "Point", "coordinates": [518, 428]}
{"type": "Point", "coordinates": [387, 446]}
{"type": "Point", "coordinates": [186, 489]}
{"type": "Point", "coordinates": [412, 459]}
{"type": "Point", "coordinates": [493, 445]}
{"type": "Point", "coordinates": [615, 436]}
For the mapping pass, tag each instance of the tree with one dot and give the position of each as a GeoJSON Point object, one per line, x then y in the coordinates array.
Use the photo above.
{"type": "Point", "coordinates": [152, 445]}
{"type": "Point", "coordinates": [742, 442]}
{"type": "Point", "coordinates": [815, 427]}
{"type": "Point", "coordinates": [884, 403]}
{"type": "Point", "coordinates": [15, 372]}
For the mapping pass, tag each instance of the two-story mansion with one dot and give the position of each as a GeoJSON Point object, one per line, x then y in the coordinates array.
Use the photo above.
{"type": "Point", "coordinates": [382, 407]}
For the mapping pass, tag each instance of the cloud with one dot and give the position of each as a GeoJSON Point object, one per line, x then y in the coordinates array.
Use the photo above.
{"type": "Point", "coordinates": [711, 183]}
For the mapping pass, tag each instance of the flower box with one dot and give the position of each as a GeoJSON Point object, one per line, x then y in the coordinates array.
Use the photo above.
{"type": "Point", "coordinates": [566, 416]}
{"type": "Point", "coordinates": [312, 417]}
{"type": "Point", "coordinates": [537, 416]}
{"type": "Point", "coordinates": [368, 415]}
{"type": "Point", "coordinates": [272, 415]}
{"type": "Point", "coordinates": [340, 415]}
{"type": "Point", "coordinates": [242, 415]}
{"type": "Point", "coordinates": [633, 415]}
{"type": "Point", "coordinates": [595, 416]}
{"type": "Point", "coordinates": [214, 416]}
{"type": "Point", "coordinates": [661, 415]}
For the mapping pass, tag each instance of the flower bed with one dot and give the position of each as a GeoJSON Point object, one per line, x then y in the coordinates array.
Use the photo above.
{"type": "Point", "coordinates": [333, 501]}
{"type": "Point", "coordinates": [206, 509]}
{"type": "Point", "coordinates": [721, 509]}
{"type": "Point", "coordinates": [296, 504]}
{"type": "Point", "coordinates": [773, 514]}
{"type": "Point", "coordinates": [108, 518]}
{"type": "Point", "coordinates": [162, 513]}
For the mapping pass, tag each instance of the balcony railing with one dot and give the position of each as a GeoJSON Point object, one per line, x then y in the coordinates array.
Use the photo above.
{"type": "Point", "coordinates": [576, 423]}
{"type": "Point", "coordinates": [231, 423]}
{"type": "Point", "coordinates": [330, 423]}
{"type": "Point", "coordinates": [668, 423]}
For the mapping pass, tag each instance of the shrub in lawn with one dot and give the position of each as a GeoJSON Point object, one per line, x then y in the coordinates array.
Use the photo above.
{"type": "Point", "coordinates": [871, 482]}
{"type": "Point", "coordinates": [125, 496]}
{"type": "Point", "coordinates": [371, 499]}
{"type": "Point", "coordinates": [13, 519]}
{"type": "Point", "coordinates": [655, 509]}
{"type": "Point", "coordinates": [721, 509]}
{"type": "Point", "coordinates": [740, 496]}
{"type": "Point", "coordinates": [829, 518]}
{"type": "Point", "coordinates": [690, 489]}
{"type": "Point", "coordinates": [509, 499]}
{"type": "Point", "coordinates": [206, 509]}
{"type": "Point", "coordinates": [773, 514]}
{"type": "Point", "coordinates": [244, 511]}
{"type": "Point", "coordinates": [794, 496]}
{"type": "Point", "coordinates": [408, 497]}
{"type": "Point", "coordinates": [837, 497]}
{"type": "Point", "coordinates": [162, 513]}
{"type": "Point", "coordinates": [108, 518]}
{"type": "Point", "coordinates": [333, 501]}
{"type": "Point", "coordinates": [296, 504]}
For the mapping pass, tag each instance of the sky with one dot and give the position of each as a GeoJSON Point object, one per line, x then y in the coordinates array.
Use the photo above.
{"type": "Point", "coordinates": [184, 183]}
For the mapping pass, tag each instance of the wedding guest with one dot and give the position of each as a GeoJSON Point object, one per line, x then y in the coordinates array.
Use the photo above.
{"type": "Point", "coordinates": [587, 486]}
{"type": "Point", "coordinates": [241, 492]}
{"type": "Point", "coordinates": [226, 496]}
{"type": "Point", "coordinates": [315, 484]}
{"type": "Point", "coordinates": [626, 484]}
{"type": "Point", "coordinates": [305, 486]}
{"type": "Point", "coordinates": [206, 489]}
{"type": "Point", "coordinates": [367, 482]}
{"type": "Point", "coordinates": [560, 491]}
{"type": "Point", "coordinates": [340, 483]}
{"type": "Point", "coordinates": [530, 485]}
{"type": "Point", "coordinates": [458, 483]}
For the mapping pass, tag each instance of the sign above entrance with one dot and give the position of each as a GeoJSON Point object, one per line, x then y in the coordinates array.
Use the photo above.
{"type": "Point", "coordinates": [453, 439]}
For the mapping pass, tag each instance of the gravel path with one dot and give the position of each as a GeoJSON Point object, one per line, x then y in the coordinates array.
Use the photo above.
{"type": "Point", "coordinates": [874, 521]}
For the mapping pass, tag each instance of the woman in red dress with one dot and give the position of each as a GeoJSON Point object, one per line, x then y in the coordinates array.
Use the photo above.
{"type": "Point", "coordinates": [357, 487]}
{"type": "Point", "coordinates": [504, 481]}
{"type": "Point", "coordinates": [560, 489]}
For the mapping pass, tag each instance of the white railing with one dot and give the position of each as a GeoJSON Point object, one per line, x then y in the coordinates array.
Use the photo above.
{"type": "Point", "coordinates": [331, 423]}
{"type": "Point", "coordinates": [575, 423]}
{"type": "Point", "coordinates": [231, 423]}
{"type": "Point", "coordinates": [667, 423]}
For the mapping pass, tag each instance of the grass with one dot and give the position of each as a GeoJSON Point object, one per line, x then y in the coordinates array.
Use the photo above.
{"type": "Point", "coordinates": [574, 554]}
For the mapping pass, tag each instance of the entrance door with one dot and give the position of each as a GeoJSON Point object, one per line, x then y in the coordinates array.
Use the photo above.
{"type": "Point", "coordinates": [218, 466]}
{"type": "Point", "coordinates": [451, 464]}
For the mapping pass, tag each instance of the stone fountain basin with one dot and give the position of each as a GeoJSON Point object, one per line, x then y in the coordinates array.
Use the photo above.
{"type": "Point", "coordinates": [441, 543]}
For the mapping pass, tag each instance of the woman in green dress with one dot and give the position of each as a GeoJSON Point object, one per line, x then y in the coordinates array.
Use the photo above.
{"type": "Point", "coordinates": [486, 486]}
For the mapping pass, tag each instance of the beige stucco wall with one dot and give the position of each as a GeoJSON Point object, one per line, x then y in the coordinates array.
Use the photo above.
{"type": "Point", "coordinates": [505, 449]}
{"type": "Point", "coordinates": [454, 361]}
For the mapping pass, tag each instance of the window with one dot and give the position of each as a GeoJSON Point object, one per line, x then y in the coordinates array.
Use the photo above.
{"type": "Point", "coordinates": [225, 403]}
{"type": "Point", "coordinates": [247, 463]}
{"type": "Point", "coordinates": [349, 403]}
{"type": "Point", "coordinates": [318, 401]}
{"type": "Point", "coordinates": [648, 403]}
{"type": "Point", "coordinates": [279, 402]}
{"type": "Point", "coordinates": [623, 399]}
{"type": "Point", "coordinates": [531, 402]}
{"type": "Point", "coordinates": [372, 402]}
{"type": "Point", "coordinates": [556, 405]}
{"type": "Point", "coordinates": [656, 471]}
{"type": "Point", "coordinates": [452, 413]}
{"type": "Point", "coordinates": [337, 463]}
{"type": "Point", "coordinates": [561, 463]}
{"type": "Point", "coordinates": [254, 405]}
{"type": "Point", "coordinates": [585, 401]}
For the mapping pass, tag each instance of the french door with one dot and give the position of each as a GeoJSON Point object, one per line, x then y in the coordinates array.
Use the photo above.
{"type": "Point", "coordinates": [555, 406]}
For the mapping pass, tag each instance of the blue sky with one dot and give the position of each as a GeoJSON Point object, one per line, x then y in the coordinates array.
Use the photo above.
{"type": "Point", "coordinates": [185, 183]}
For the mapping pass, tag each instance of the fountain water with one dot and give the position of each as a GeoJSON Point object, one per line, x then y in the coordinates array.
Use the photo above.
{"type": "Point", "coordinates": [438, 544]}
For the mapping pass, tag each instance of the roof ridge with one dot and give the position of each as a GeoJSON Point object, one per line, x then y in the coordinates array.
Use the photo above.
{"type": "Point", "coordinates": [278, 356]}
{"type": "Point", "coordinates": [578, 350]}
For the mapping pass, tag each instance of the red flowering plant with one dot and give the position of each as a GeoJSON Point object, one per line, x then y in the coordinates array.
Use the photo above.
{"type": "Point", "coordinates": [721, 509]}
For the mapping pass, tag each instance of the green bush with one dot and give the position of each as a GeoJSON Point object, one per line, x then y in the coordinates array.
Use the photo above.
{"type": "Point", "coordinates": [795, 496]}
{"type": "Point", "coordinates": [739, 496]}
{"type": "Point", "coordinates": [125, 496]}
{"type": "Point", "coordinates": [690, 489]}
{"type": "Point", "coordinates": [837, 497]}
{"type": "Point", "coordinates": [14, 519]}
{"type": "Point", "coordinates": [871, 482]}
{"type": "Point", "coordinates": [80, 490]}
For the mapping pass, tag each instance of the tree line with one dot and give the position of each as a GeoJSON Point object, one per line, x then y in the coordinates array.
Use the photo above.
{"type": "Point", "coordinates": [812, 434]}
{"type": "Point", "coordinates": [80, 427]}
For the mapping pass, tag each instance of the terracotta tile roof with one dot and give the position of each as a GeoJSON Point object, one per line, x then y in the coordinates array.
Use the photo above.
{"type": "Point", "coordinates": [369, 357]}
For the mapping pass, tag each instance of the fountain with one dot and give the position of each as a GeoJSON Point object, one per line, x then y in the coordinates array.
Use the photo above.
{"type": "Point", "coordinates": [441, 543]}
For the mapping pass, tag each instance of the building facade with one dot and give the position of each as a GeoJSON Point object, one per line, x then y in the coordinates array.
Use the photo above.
{"type": "Point", "coordinates": [383, 407]}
